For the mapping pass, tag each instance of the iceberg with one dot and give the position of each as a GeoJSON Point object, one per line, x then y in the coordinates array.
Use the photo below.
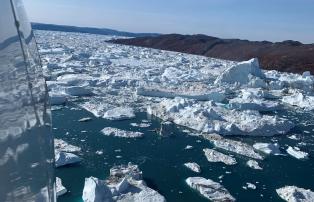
{"type": "Point", "coordinates": [241, 73]}
{"type": "Point", "coordinates": [296, 153]}
{"type": "Point", "coordinates": [64, 158]}
{"type": "Point", "coordinates": [210, 189]}
{"type": "Point", "coordinates": [85, 119]}
{"type": "Point", "coordinates": [267, 148]}
{"type": "Point", "coordinates": [119, 113]}
{"type": "Point", "coordinates": [60, 189]}
{"type": "Point", "coordinates": [232, 146]}
{"type": "Point", "coordinates": [300, 100]}
{"type": "Point", "coordinates": [78, 91]}
{"type": "Point", "coordinates": [57, 99]}
{"type": "Point", "coordinates": [295, 194]}
{"type": "Point", "coordinates": [63, 146]}
{"type": "Point", "coordinates": [215, 156]}
{"type": "Point", "coordinates": [253, 164]}
{"type": "Point", "coordinates": [125, 183]}
{"type": "Point", "coordinates": [193, 166]}
{"type": "Point", "coordinates": [109, 131]}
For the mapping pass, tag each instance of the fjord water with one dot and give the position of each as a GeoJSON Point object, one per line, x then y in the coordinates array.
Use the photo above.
{"type": "Point", "coordinates": [161, 158]}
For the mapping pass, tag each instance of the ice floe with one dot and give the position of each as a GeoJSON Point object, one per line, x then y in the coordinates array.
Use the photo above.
{"type": "Point", "coordinates": [193, 166]}
{"type": "Point", "coordinates": [267, 148]}
{"type": "Point", "coordinates": [85, 119]}
{"type": "Point", "coordinates": [64, 158]}
{"type": "Point", "coordinates": [295, 194]}
{"type": "Point", "coordinates": [232, 146]}
{"type": "Point", "coordinates": [125, 183]}
{"type": "Point", "coordinates": [300, 100]}
{"type": "Point", "coordinates": [62, 146]}
{"type": "Point", "coordinates": [60, 189]}
{"type": "Point", "coordinates": [119, 113]}
{"type": "Point", "coordinates": [215, 156]}
{"type": "Point", "coordinates": [253, 164]}
{"type": "Point", "coordinates": [210, 189]}
{"type": "Point", "coordinates": [296, 153]}
{"type": "Point", "coordinates": [109, 131]}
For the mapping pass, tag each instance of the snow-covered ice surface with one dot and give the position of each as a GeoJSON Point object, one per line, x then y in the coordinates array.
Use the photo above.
{"type": "Point", "coordinates": [210, 189]}
{"type": "Point", "coordinates": [125, 183]}
{"type": "Point", "coordinates": [188, 96]}
{"type": "Point", "coordinates": [295, 194]}
{"type": "Point", "coordinates": [193, 166]}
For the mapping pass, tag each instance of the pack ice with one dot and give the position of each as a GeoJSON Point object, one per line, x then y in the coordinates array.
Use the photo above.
{"type": "Point", "coordinates": [205, 94]}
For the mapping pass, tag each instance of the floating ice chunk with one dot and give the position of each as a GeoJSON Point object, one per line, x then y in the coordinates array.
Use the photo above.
{"type": "Point", "coordinates": [210, 189]}
{"type": "Point", "coordinates": [249, 186]}
{"type": "Point", "coordinates": [267, 148]}
{"type": "Point", "coordinates": [296, 153]}
{"type": "Point", "coordinates": [109, 131]}
{"type": "Point", "coordinates": [253, 164]}
{"type": "Point", "coordinates": [140, 125]}
{"type": "Point", "coordinates": [294, 137]}
{"type": "Point", "coordinates": [97, 106]}
{"type": "Point", "coordinates": [78, 91]}
{"type": "Point", "coordinates": [96, 190]}
{"type": "Point", "coordinates": [63, 146]}
{"type": "Point", "coordinates": [232, 146]}
{"type": "Point", "coordinates": [124, 184]}
{"type": "Point", "coordinates": [295, 194]}
{"type": "Point", "coordinates": [300, 100]}
{"type": "Point", "coordinates": [188, 147]}
{"type": "Point", "coordinates": [193, 166]}
{"type": "Point", "coordinates": [119, 113]}
{"type": "Point", "coordinates": [63, 158]}
{"type": "Point", "coordinates": [215, 156]}
{"type": "Point", "coordinates": [241, 73]}
{"type": "Point", "coordinates": [85, 119]}
{"type": "Point", "coordinates": [60, 189]}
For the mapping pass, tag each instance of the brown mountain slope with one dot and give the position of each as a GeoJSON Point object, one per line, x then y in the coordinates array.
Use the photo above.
{"type": "Point", "coordinates": [289, 56]}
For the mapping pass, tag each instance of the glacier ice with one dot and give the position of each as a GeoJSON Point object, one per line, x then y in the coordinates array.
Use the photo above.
{"type": "Point", "coordinates": [295, 194]}
{"type": "Point", "coordinates": [109, 131]}
{"type": "Point", "coordinates": [215, 156]}
{"type": "Point", "coordinates": [296, 153]}
{"type": "Point", "coordinates": [253, 164]}
{"type": "Point", "coordinates": [60, 189]}
{"type": "Point", "coordinates": [64, 158]}
{"type": "Point", "coordinates": [210, 189]}
{"type": "Point", "coordinates": [267, 148]}
{"type": "Point", "coordinates": [193, 166]}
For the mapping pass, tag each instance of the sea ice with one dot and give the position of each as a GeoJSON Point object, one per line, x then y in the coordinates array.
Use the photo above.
{"type": "Point", "coordinates": [119, 113]}
{"type": "Point", "coordinates": [125, 183]}
{"type": "Point", "coordinates": [210, 189]}
{"type": "Point", "coordinates": [295, 194]}
{"type": "Point", "coordinates": [253, 164]}
{"type": "Point", "coordinates": [193, 166]}
{"type": "Point", "coordinates": [85, 119]}
{"type": "Point", "coordinates": [64, 158]}
{"type": "Point", "coordinates": [63, 146]}
{"type": "Point", "coordinates": [300, 100]}
{"type": "Point", "coordinates": [215, 156]}
{"type": "Point", "coordinates": [109, 131]}
{"type": "Point", "coordinates": [267, 148]}
{"type": "Point", "coordinates": [60, 189]}
{"type": "Point", "coordinates": [296, 153]}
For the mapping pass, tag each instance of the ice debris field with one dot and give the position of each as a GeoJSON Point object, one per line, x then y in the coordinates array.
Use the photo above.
{"type": "Point", "coordinates": [215, 100]}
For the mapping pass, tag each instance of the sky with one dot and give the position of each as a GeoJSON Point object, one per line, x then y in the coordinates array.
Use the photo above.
{"type": "Point", "coordinates": [272, 20]}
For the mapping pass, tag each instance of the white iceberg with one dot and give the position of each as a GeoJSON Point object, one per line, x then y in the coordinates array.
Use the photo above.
{"type": "Point", "coordinates": [232, 146]}
{"type": "Point", "coordinates": [64, 158]}
{"type": "Point", "coordinates": [119, 113]}
{"type": "Point", "coordinates": [241, 73]}
{"type": "Point", "coordinates": [253, 164]}
{"type": "Point", "coordinates": [57, 99]}
{"type": "Point", "coordinates": [109, 131]}
{"type": "Point", "coordinates": [210, 189]}
{"type": "Point", "coordinates": [296, 153]}
{"type": "Point", "coordinates": [193, 166]}
{"type": "Point", "coordinates": [124, 184]}
{"type": "Point", "coordinates": [62, 146]}
{"type": "Point", "coordinates": [300, 100]}
{"type": "Point", "coordinates": [60, 189]}
{"type": "Point", "coordinates": [267, 148]}
{"type": "Point", "coordinates": [295, 194]}
{"type": "Point", "coordinates": [215, 156]}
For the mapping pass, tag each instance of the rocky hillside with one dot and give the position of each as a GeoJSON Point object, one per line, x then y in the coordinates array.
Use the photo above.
{"type": "Point", "coordinates": [289, 56]}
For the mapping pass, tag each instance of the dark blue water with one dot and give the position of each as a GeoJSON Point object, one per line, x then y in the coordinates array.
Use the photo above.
{"type": "Point", "coordinates": [161, 159]}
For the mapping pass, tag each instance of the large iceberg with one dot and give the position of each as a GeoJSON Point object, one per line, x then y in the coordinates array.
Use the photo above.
{"type": "Point", "coordinates": [300, 100]}
{"type": "Point", "coordinates": [210, 189]}
{"type": "Point", "coordinates": [64, 158]}
{"type": "Point", "coordinates": [295, 194]}
{"type": "Point", "coordinates": [109, 131]}
{"type": "Point", "coordinates": [63, 146]}
{"type": "Point", "coordinates": [215, 156]}
{"type": "Point", "coordinates": [267, 148]}
{"type": "Point", "coordinates": [296, 153]}
{"type": "Point", "coordinates": [60, 189]}
{"type": "Point", "coordinates": [119, 113]}
{"type": "Point", "coordinates": [193, 166]}
{"type": "Point", "coordinates": [124, 184]}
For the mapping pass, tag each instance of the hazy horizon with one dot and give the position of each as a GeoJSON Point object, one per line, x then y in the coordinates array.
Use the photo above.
{"type": "Point", "coordinates": [245, 19]}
